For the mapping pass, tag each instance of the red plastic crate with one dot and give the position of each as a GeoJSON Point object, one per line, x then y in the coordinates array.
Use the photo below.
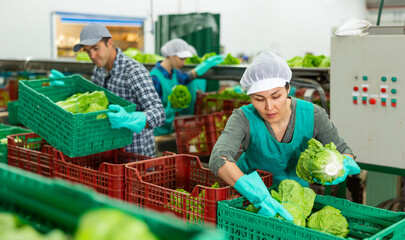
{"type": "Point", "coordinates": [205, 104]}
{"type": "Point", "coordinates": [30, 152]}
{"type": "Point", "coordinates": [157, 189]}
{"type": "Point", "coordinates": [198, 134]}
{"type": "Point", "coordinates": [105, 171]}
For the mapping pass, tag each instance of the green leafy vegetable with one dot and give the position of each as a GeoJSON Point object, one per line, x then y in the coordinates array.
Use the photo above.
{"type": "Point", "coordinates": [193, 60]}
{"type": "Point", "coordinates": [111, 224]}
{"type": "Point", "coordinates": [151, 58]}
{"type": "Point", "coordinates": [323, 163]}
{"type": "Point", "coordinates": [251, 208]}
{"type": "Point", "coordinates": [207, 55]}
{"type": "Point", "coordinates": [12, 228]}
{"type": "Point", "coordinates": [180, 97]}
{"type": "Point", "coordinates": [85, 103]}
{"type": "Point", "coordinates": [329, 220]}
{"type": "Point", "coordinates": [310, 61]}
{"type": "Point", "coordinates": [230, 60]}
{"type": "Point", "coordinates": [296, 199]}
{"type": "Point", "coordinates": [83, 56]}
{"type": "Point", "coordinates": [132, 53]}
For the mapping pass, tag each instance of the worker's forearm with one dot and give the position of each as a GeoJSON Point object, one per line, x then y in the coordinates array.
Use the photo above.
{"type": "Point", "coordinates": [230, 173]}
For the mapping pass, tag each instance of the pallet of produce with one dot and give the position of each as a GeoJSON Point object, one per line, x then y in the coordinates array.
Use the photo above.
{"type": "Point", "coordinates": [180, 185]}
{"type": "Point", "coordinates": [104, 172]}
{"type": "Point", "coordinates": [315, 217]}
{"type": "Point", "coordinates": [6, 130]}
{"type": "Point", "coordinates": [72, 118]}
{"type": "Point", "coordinates": [30, 152]}
{"type": "Point", "coordinates": [80, 213]}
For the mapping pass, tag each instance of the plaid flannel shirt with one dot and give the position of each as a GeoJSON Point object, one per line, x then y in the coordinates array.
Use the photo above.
{"type": "Point", "coordinates": [130, 80]}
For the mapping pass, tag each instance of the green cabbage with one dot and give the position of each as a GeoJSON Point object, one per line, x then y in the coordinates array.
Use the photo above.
{"type": "Point", "coordinates": [85, 103]}
{"type": "Point", "coordinates": [329, 220]}
{"type": "Point", "coordinates": [133, 53]}
{"type": "Point", "coordinates": [180, 97]}
{"type": "Point", "coordinates": [296, 199]}
{"type": "Point", "coordinates": [324, 163]}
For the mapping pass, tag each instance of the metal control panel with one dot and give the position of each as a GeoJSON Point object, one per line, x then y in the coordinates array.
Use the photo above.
{"type": "Point", "coordinates": [367, 89]}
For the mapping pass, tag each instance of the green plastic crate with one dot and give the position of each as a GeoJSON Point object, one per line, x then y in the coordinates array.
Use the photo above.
{"type": "Point", "coordinates": [48, 203]}
{"type": "Point", "coordinates": [12, 107]}
{"type": "Point", "coordinates": [365, 222]}
{"type": "Point", "coordinates": [74, 134]}
{"type": "Point", "coordinates": [6, 130]}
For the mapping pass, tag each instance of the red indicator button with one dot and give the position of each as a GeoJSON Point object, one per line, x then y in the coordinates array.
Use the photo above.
{"type": "Point", "coordinates": [356, 89]}
{"type": "Point", "coordinates": [354, 101]}
{"type": "Point", "coordinates": [383, 90]}
{"type": "Point", "coordinates": [383, 103]}
{"type": "Point", "coordinates": [364, 102]}
{"type": "Point", "coordinates": [365, 89]}
{"type": "Point", "coordinates": [372, 101]}
{"type": "Point", "coordinates": [393, 104]}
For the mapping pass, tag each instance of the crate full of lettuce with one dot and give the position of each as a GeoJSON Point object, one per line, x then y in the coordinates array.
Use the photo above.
{"type": "Point", "coordinates": [72, 117]}
{"type": "Point", "coordinates": [316, 217]}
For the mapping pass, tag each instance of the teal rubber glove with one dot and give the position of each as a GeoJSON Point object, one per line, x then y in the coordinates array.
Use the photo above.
{"type": "Point", "coordinates": [207, 64]}
{"type": "Point", "coordinates": [349, 166]}
{"type": "Point", "coordinates": [135, 121]}
{"type": "Point", "coordinates": [252, 187]}
{"type": "Point", "coordinates": [55, 74]}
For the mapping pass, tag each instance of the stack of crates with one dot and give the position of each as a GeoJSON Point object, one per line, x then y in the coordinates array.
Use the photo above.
{"type": "Point", "coordinates": [48, 204]}
{"type": "Point", "coordinates": [179, 184]}
{"type": "Point", "coordinates": [198, 134]}
{"type": "Point", "coordinates": [81, 147]}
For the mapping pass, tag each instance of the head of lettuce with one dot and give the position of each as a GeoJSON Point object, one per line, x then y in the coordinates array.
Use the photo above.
{"type": "Point", "coordinates": [318, 163]}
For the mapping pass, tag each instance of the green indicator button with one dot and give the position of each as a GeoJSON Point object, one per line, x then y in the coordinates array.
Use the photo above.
{"type": "Point", "coordinates": [364, 98]}
{"type": "Point", "coordinates": [383, 79]}
{"type": "Point", "coordinates": [354, 98]}
{"type": "Point", "coordinates": [393, 91]}
{"type": "Point", "coordinates": [393, 100]}
{"type": "Point", "coordinates": [365, 78]}
{"type": "Point", "coordinates": [383, 99]}
{"type": "Point", "coordinates": [394, 79]}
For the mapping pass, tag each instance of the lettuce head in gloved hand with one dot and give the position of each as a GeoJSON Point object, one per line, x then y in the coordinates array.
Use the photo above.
{"type": "Point", "coordinates": [180, 97]}
{"type": "Point", "coordinates": [323, 163]}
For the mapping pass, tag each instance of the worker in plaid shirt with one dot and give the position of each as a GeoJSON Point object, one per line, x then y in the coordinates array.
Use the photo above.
{"type": "Point", "coordinates": [128, 79]}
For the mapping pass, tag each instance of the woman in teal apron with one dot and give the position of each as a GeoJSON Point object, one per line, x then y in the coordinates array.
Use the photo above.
{"type": "Point", "coordinates": [166, 75]}
{"type": "Point", "coordinates": [272, 131]}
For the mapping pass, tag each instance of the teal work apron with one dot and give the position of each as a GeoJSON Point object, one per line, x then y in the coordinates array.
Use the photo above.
{"type": "Point", "coordinates": [167, 86]}
{"type": "Point", "coordinates": [267, 154]}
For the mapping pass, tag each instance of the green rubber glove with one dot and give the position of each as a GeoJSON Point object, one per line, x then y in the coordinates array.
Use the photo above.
{"type": "Point", "coordinates": [55, 74]}
{"type": "Point", "coordinates": [209, 63]}
{"type": "Point", "coordinates": [135, 121]}
{"type": "Point", "coordinates": [252, 187]}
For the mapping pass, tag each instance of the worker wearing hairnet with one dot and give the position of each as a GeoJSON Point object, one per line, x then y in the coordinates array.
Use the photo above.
{"type": "Point", "coordinates": [272, 131]}
{"type": "Point", "coordinates": [166, 75]}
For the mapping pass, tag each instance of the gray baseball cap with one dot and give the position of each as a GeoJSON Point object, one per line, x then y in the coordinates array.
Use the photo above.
{"type": "Point", "coordinates": [90, 35]}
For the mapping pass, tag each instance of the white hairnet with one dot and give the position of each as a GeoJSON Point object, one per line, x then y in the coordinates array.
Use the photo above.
{"type": "Point", "coordinates": [176, 47]}
{"type": "Point", "coordinates": [266, 72]}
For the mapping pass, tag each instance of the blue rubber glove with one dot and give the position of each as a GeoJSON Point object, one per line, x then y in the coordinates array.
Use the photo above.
{"type": "Point", "coordinates": [209, 63]}
{"type": "Point", "coordinates": [55, 74]}
{"type": "Point", "coordinates": [349, 166]}
{"type": "Point", "coordinates": [252, 187]}
{"type": "Point", "coordinates": [135, 121]}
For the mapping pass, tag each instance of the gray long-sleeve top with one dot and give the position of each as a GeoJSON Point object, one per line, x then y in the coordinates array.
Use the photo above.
{"type": "Point", "coordinates": [237, 133]}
